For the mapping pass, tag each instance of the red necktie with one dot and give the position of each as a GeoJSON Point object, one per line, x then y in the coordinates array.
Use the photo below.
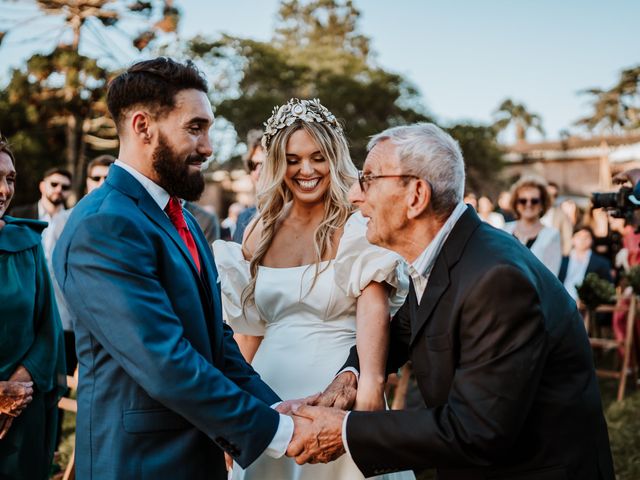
{"type": "Point", "coordinates": [174, 211]}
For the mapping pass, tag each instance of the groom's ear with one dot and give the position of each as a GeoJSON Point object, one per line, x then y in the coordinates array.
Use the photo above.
{"type": "Point", "coordinates": [142, 125]}
{"type": "Point", "coordinates": [419, 198]}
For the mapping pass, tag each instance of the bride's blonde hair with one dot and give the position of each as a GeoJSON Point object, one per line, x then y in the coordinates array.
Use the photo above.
{"type": "Point", "coordinates": [273, 195]}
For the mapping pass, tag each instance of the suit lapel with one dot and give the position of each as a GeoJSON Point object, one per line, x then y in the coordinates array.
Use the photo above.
{"type": "Point", "coordinates": [123, 181]}
{"type": "Point", "coordinates": [437, 285]}
{"type": "Point", "coordinates": [439, 279]}
{"type": "Point", "coordinates": [209, 280]}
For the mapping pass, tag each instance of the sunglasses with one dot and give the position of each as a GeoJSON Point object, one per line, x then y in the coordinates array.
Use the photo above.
{"type": "Point", "coordinates": [97, 178]}
{"type": "Point", "coordinates": [253, 166]}
{"type": "Point", "coordinates": [532, 201]}
{"type": "Point", "coordinates": [63, 186]}
{"type": "Point", "coordinates": [365, 180]}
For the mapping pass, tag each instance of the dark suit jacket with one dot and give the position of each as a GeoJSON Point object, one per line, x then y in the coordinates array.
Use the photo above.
{"type": "Point", "coordinates": [597, 264]}
{"type": "Point", "coordinates": [163, 387]}
{"type": "Point", "coordinates": [505, 368]}
{"type": "Point", "coordinates": [26, 211]}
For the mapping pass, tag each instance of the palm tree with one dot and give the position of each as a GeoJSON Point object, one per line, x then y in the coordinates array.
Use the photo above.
{"type": "Point", "coordinates": [618, 108]}
{"type": "Point", "coordinates": [511, 113]}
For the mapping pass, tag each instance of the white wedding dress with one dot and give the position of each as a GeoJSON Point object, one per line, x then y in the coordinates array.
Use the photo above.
{"type": "Point", "coordinates": [307, 331]}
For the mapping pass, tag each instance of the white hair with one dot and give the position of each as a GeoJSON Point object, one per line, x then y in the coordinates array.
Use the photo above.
{"type": "Point", "coordinates": [428, 152]}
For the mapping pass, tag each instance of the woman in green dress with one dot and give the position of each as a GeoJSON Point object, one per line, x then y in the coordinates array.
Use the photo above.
{"type": "Point", "coordinates": [31, 343]}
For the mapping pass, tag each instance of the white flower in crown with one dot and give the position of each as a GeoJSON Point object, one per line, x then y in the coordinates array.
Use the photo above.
{"type": "Point", "coordinates": [294, 110]}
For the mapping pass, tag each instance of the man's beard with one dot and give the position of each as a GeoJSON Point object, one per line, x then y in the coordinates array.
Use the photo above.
{"type": "Point", "coordinates": [173, 172]}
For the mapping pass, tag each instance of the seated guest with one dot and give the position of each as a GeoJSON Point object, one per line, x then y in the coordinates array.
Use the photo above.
{"type": "Point", "coordinates": [31, 344]}
{"type": "Point", "coordinates": [581, 261]}
{"type": "Point", "coordinates": [530, 200]}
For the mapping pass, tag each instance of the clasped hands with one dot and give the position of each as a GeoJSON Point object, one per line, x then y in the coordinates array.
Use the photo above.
{"type": "Point", "coordinates": [317, 435]}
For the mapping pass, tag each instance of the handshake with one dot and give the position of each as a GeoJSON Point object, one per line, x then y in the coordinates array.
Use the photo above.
{"type": "Point", "coordinates": [317, 420]}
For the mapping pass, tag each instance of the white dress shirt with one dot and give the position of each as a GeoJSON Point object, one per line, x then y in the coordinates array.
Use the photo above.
{"type": "Point", "coordinates": [281, 439]}
{"type": "Point", "coordinates": [420, 270]}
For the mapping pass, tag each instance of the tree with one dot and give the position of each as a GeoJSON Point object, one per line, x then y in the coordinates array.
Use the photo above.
{"type": "Point", "coordinates": [482, 156]}
{"type": "Point", "coordinates": [516, 114]}
{"type": "Point", "coordinates": [69, 87]}
{"type": "Point", "coordinates": [316, 52]}
{"type": "Point", "coordinates": [618, 108]}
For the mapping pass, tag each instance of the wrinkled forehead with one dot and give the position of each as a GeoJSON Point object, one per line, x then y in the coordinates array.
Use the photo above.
{"type": "Point", "coordinates": [382, 157]}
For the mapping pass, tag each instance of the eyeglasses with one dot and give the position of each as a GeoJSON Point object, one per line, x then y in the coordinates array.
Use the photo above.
{"type": "Point", "coordinates": [365, 180]}
{"type": "Point", "coordinates": [97, 178]}
{"type": "Point", "coordinates": [63, 186]}
{"type": "Point", "coordinates": [532, 201]}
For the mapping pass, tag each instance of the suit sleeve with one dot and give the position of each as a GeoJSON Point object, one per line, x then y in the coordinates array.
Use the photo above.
{"type": "Point", "coordinates": [503, 346]}
{"type": "Point", "coordinates": [241, 373]}
{"type": "Point", "coordinates": [135, 323]}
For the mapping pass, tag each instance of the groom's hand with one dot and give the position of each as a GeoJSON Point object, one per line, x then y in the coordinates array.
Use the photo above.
{"type": "Point", "coordinates": [287, 406]}
{"type": "Point", "coordinates": [341, 393]}
{"type": "Point", "coordinates": [317, 435]}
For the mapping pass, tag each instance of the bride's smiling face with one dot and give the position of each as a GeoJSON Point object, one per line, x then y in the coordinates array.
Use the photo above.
{"type": "Point", "coordinates": [307, 175]}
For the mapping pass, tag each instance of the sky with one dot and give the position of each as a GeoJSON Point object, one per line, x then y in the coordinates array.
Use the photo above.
{"type": "Point", "coordinates": [464, 56]}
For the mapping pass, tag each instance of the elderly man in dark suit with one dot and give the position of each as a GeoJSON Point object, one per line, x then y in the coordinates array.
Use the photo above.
{"type": "Point", "coordinates": [498, 348]}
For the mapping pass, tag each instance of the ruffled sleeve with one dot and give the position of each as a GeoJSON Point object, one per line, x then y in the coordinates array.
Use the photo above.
{"type": "Point", "coordinates": [234, 276]}
{"type": "Point", "coordinates": [358, 263]}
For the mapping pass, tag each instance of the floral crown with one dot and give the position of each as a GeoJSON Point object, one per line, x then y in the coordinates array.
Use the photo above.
{"type": "Point", "coordinates": [296, 109]}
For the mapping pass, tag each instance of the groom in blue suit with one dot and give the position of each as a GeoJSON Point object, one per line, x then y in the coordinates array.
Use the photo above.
{"type": "Point", "coordinates": [163, 389]}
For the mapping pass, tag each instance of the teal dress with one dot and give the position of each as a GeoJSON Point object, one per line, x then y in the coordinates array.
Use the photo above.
{"type": "Point", "coordinates": [30, 335]}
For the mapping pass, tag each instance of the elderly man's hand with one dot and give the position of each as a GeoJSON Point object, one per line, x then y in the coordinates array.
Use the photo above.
{"type": "Point", "coordinates": [317, 435]}
{"type": "Point", "coordinates": [341, 393]}
{"type": "Point", "coordinates": [14, 397]}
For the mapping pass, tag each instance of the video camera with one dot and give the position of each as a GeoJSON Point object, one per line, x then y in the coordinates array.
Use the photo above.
{"type": "Point", "coordinates": [620, 204]}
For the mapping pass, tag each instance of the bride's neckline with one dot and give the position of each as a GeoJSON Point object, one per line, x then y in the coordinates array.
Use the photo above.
{"type": "Point", "coordinates": [297, 266]}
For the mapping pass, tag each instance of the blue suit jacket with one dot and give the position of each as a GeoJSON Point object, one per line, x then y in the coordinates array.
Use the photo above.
{"type": "Point", "coordinates": [161, 379]}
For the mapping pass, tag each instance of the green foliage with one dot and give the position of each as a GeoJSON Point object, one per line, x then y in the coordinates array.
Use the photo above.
{"type": "Point", "coordinates": [633, 278]}
{"type": "Point", "coordinates": [624, 434]}
{"type": "Point", "coordinates": [595, 291]}
{"type": "Point", "coordinates": [316, 52]}
{"type": "Point", "coordinates": [482, 156]}
{"type": "Point", "coordinates": [618, 108]}
{"type": "Point", "coordinates": [517, 114]}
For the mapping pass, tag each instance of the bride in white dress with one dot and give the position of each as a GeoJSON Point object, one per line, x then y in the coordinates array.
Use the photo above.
{"type": "Point", "coordinates": [306, 286]}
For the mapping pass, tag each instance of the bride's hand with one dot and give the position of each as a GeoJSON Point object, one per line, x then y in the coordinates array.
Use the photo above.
{"type": "Point", "coordinates": [370, 396]}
